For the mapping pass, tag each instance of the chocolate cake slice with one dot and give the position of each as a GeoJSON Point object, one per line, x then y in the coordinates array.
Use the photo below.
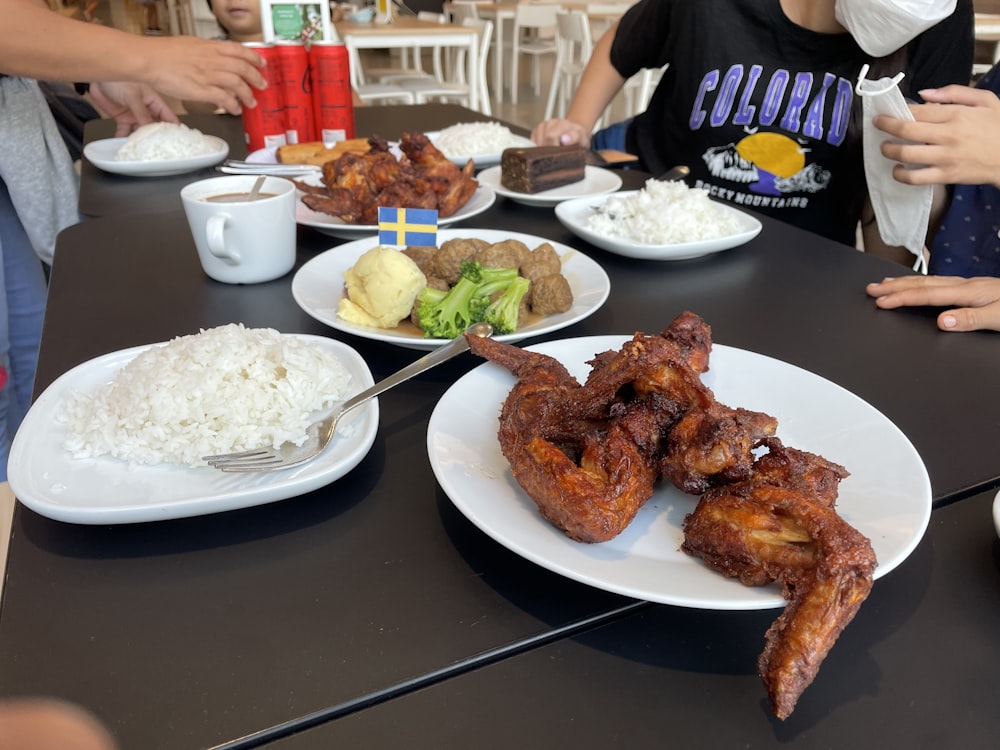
{"type": "Point", "coordinates": [532, 170]}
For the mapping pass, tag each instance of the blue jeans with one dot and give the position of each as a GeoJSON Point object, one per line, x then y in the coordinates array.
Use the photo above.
{"type": "Point", "coordinates": [22, 308]}
{"type": "Point", "coordinates": [612, 137]}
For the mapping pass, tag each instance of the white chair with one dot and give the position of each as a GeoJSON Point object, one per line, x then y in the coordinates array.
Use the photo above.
{"type": "Point", "coordinates": [375, 92]}
{"type": "Point", "coordinates": [534, 35]}
{"type": "Point", "coordinates": [573, 49]}
{"type": "Point", "coordinates": [417, 72]}
{"type": "Point", "coordinates": [639, 89]}
{"type": "Point", "coordinates": [425, 91]}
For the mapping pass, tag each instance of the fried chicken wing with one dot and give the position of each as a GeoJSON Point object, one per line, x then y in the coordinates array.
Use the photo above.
{"type": "Point", "coordinates": [775, 526]}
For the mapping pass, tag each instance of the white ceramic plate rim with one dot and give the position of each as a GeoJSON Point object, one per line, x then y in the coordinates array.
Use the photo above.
{"type": "Point", "coordinates": [887, 497]}
{"type": "Point", "coordinates": [102, 155]}
{"type": "Point", "coordinates": [574, 213]}
{"type": "Point", "coordinates": [482, 160]}
{"type": "Point", "coordinates": [596, 181]}
{"type": "Point", "coordinates": [318, 287]}
{"type": "Point", "coordinates": [104, 490]}
{"type": "Point", "coordinates": [996, 513]}
{"type": "Point", "coordinates": [481, 200]}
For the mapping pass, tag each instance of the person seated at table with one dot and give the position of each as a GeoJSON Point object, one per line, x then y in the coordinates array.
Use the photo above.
{"type": "Point", "coordinates": [38, 185]}
{"type": "Point", "coordinates": [955, 138]}
{"type": "Point", "coordinates": [764, 111]}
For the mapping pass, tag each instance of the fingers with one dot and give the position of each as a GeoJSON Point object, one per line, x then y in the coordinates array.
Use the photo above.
{"type": "Point", "coordinates": [976, 300]}
{"type": "Point", "coordinates": [964, 95]}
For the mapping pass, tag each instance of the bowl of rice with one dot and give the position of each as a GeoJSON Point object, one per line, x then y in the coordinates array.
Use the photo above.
{"type": "Point", "coordinates": [663, 221]}
{"type": "Point", "coordinates": [156, 150]}
{"type": "Point", "coordinates": [483, 142]}
{"type": "Point", "coordinates": [119, 438]}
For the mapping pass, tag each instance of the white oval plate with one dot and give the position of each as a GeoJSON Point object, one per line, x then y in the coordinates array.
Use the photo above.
{"type": "Point", "coordinates": [483, 160]}
{"type": "Point", "coordinates": [596, 181]}
{"type": "Point", "coordinates": [481, 200]}
{"type": "Point", "coordinates": [574, 214]}
{"type": "Point", "coordinates": [887, 497]}
{"type": "Point", "coordinates": [319, 286]}
{"type": "Point", "coordinates": [46, 478]}
{"type": "Point", "coordinates": [102, 154]}
{"type": "Point", "coordinates": [996, 512]}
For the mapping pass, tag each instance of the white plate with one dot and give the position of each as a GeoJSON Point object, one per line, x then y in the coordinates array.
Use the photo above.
{"type": "Point", "coordinates": [483, 160]}
{"type": "Point", "coordinates": [481, 200]}
{"type": "Point", "coordinates": [319, 286]}
{"type": "Point", "coordinates": [102, 154]}
{"type": "Point", "coordinates": [887, 497]}
{"type": "Point", "coordinates": [596, 181]}
{"type": "Point", "coordinates": [106, 490]}
{"type": "Point", "coordinates": [574, 214]}
{"type": "Point", "coordinates": [996, 512]}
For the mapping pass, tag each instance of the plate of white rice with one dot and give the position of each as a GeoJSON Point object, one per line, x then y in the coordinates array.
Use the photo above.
{"type": "Point", "coordinates": [663, 221]}
{"type": "Point", "coordinates": [483, 142]}
{"type": "Point", "coordinates": [158, 149]}
{"type": "Point", "coordinates": [118, 439]}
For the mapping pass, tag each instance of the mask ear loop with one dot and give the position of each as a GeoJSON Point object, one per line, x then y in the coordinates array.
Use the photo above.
{"type": "Point", "coordinates": [862, 76]}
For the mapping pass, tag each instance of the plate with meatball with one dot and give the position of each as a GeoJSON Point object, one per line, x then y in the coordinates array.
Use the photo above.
{"type": "Point", "coordinates": [566, 285]}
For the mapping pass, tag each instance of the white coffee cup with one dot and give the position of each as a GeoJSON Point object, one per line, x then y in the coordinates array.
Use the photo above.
{"type": "Point", "coordinates": [240, 241]}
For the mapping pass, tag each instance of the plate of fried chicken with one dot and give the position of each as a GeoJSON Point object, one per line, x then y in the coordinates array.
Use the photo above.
{"type": "Point", "coordinates": [343, 199]}
{"type": "Point", "coordinates": [673, 470]}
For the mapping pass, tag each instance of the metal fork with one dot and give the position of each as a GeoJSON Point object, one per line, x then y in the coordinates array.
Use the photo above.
{"type": "Point", "coordinates": [319, 433]}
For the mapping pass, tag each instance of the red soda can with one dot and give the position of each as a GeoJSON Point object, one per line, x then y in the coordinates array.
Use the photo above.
{"type": "Point", "coordinates": [296, 88]}
{"type": "Point", "coordinates": [264, 124]}
{"type": "Point", "coordinates": [331, 84]}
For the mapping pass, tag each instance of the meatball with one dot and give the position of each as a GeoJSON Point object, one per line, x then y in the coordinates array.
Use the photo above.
{"type": "Point", "coordinates": [447, 262]}
{"type": "Point", "coordinates": [506, 254]}
{"type": "Point", "coordinates": [550, 294]}
{"type": "Point", "coordinates": [423, 256]}
{"type": "Point", "coordinates": [543, 261]}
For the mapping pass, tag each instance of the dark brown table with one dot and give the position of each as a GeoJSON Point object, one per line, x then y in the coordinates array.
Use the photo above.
{"type": "Point", "coordinates": [916, 669]}
{"type": "Point", "coordinates": [373, 595]}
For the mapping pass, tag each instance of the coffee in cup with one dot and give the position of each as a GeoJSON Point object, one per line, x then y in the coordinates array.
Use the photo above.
{"type": "Point", "coordinates": [241, 241]}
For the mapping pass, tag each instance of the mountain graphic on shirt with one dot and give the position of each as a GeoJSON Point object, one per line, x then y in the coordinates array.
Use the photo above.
{"type": "Point", "coordinates": [769, 163]}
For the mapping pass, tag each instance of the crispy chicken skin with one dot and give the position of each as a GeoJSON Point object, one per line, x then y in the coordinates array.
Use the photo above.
{"type": "Point", "coordinates": [355, 185]}
{"type": "Point", "coordinates": [781, 525]}
{"type": "Point", "coordinates": [590, 455]}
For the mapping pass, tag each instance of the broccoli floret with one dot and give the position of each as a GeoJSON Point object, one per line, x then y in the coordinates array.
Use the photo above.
{"type": "Point", "coordinates": [447, 314]}
{"type": "Point", "coordinates": [502, 314]}
{"type": "Point", "coordinates": [445, 317]}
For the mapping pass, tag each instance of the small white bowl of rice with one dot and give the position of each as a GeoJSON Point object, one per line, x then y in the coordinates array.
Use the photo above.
{"type": "Point", "coordinates": [663, 221]}
{"type": "Point", "coordinates": [483, 142]}
{"type": "Point", "coordinates": [156, 150]}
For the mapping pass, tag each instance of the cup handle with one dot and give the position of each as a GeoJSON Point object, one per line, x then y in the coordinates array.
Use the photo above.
{"type": "Point", "coordinates": [215, 232]}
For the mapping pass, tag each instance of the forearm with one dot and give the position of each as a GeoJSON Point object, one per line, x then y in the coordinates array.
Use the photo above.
{"type": "Point", "coordinates": [598, 85]}
{"type": "Point", "coordinates": [34, 42]}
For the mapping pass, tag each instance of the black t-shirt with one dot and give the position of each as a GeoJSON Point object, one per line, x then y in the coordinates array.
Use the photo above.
{"type": "Point", "coordinates": [761, 109]}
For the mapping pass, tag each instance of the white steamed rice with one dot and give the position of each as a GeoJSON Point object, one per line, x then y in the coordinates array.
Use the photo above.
{"type": "Point", "coordinates": [163, 141]}
{"type": "Point", "coordinates": [663, 213]}
{"type": "Point", "coordinates": [225, 389]}
{"type": "Point", "coordinates": [474, 138]}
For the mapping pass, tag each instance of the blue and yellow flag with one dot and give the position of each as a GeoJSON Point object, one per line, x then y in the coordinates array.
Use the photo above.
{"type": "Point", "coordinates": [407, 226]}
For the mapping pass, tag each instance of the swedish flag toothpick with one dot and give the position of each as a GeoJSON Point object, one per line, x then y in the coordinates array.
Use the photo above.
{"type": "Point", "coordinates": [407, 226]}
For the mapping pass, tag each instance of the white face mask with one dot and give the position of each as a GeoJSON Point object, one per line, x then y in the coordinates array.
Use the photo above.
{"type": "Point", "coordinates": [883, 26]}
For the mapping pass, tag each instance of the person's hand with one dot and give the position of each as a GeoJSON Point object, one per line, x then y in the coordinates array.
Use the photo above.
{"type": "Point", "coordinates": [977, 300]}
{"type": "Point", "coordinates": [560, 133]}
{"type": "Point", "coordinates": [222, 73]}
{"type": "Point", "coordinates": [956, 135]}
{"type": "Point", "coordinates": [131, 105]}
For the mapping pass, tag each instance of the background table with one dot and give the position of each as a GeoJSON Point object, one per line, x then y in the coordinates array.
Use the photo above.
{"type": "Point", "coordinates": [235, 628]}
